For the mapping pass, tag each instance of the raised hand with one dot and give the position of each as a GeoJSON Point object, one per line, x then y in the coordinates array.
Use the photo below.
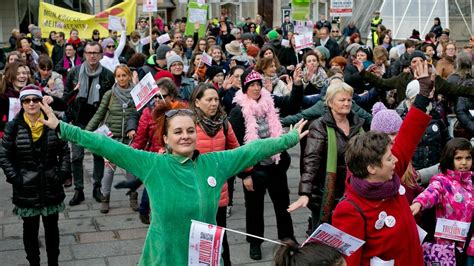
{"type": "Point", "coordinates": [299, 127]}
{"type": "Point", "coordinates": [297, 75]}
{"type": "Point", "coordinates": [358, 64]}
{"type": "Point", "coordinates": [52, 121]}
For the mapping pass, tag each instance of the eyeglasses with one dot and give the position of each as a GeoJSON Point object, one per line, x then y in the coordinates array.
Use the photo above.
{"type": "Point", "coordinates": [92, 53]}
{"type": "Point", "coordinates": [110, 46]}
{"type": "Point", "coordinates": [31, 100]}
{"type": "Point", "coordinates": [174, 112]}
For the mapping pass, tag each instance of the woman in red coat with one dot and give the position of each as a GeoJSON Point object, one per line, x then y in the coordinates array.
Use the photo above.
{"type": "Point", "coordinates": [375, 208]}
{"type": "Point", "coordinates": [214, 133]}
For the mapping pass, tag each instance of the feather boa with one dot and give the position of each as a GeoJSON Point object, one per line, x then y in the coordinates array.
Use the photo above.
{"type": "Point", "coordinates": [252, 109]}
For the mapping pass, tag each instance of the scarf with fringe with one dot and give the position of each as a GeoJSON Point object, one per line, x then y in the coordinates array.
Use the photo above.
{"type": "Point", "coordinates": [252, 109]}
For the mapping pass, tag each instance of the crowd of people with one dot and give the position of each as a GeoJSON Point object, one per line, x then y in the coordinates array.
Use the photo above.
{"type": "Point", "coordinates": [373, 120]}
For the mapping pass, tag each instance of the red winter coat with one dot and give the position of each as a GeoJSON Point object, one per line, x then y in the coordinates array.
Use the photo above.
{"type": "Point", "coordinates": [401, 242]}
{"type": "Point", "coordinates": [219, 142]}
{"type": "Point", "coordinates": [146, 137]}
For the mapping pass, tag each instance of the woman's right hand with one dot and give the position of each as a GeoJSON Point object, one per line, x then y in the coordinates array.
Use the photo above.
{"type": "Point", "coordinates": [299, 127]}
{"type": "Point", "coordinates": [52, 121]}
{"type": "Point", "coordinates": [415, 208]}
{"type": "Point", "coordinates": [358, 64]}
{"type": "Point", "coordinates": [301, 202]}
{"type": "Point", "coordinates": [248, 183]}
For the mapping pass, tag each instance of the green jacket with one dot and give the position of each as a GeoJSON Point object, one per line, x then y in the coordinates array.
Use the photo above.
{"type": "Point", "coordinates": [318, 110]}
{"type": "Point", "coordinates": [178, 186]}
{"type": "Point", "coordinates": [116, 118]}
{"type": "Point", "coordinates": [400, 82]}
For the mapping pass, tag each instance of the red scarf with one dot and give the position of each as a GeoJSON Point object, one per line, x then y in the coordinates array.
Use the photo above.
{"type": "Point", "coordinates": [74, 42]}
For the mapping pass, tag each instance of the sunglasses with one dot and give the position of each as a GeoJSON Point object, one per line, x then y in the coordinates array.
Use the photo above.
{"type": "Point", "coordinates": [110, 46]}
{"type": "Point", "coordinates": [334, 31]}
{"type": "Point", "coordinates": [31, 100]}
{"type": "Point", "coordinates": [174, 112]}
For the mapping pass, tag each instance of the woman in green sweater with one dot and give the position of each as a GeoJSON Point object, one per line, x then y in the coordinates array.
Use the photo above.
{"type": "Point", "coordinates": [182, 184]}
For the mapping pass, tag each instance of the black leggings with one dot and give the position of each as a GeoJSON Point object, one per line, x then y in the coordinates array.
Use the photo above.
{"type": "Point", "coordinates": [30, 238]}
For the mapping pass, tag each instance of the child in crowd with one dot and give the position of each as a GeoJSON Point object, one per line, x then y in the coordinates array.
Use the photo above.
{"type": "Point", "coordinates": [451, 191]}
{"type": "Point", "coordinates": [311, 254]}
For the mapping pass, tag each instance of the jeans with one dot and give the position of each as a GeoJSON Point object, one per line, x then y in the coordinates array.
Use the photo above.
{"type": "Point", "coordinates": [108, 179]}
{"type": "Point", "coordinates": [30, 238]}
{"type": "Point", "coordinates": [144, 203]}
{"type": "Point", "coordinates": [77, 160]}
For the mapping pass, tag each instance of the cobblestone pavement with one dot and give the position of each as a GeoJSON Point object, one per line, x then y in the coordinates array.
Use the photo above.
{"type": "Point", "coordinates": [91, 238]}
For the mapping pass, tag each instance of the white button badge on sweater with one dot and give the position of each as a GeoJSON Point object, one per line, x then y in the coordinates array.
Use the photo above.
{"type": "Point", "coordinates": [379, 224]}
{"type": "Point", "coordinates": [402, 190]}
{"type": "Point", "coordinates": [382, 215]}
{"type": "Point", "coordinates": [390, 221]}
{"type": "Point", "coordinates": [211, 181]}
{"type": "Point", "coordinates": [97, 87]}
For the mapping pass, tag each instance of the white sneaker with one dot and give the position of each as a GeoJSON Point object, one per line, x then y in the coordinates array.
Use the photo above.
{"type": "Point", "coordinates": [229, 211]}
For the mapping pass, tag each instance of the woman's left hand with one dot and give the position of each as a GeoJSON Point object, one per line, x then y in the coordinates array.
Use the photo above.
{"type": "Point", "coordinates": [48, 99]}
{"type": "Point", "coordinates": [52, 121]}
{"type": "Point", "coordinates": [299, 127]}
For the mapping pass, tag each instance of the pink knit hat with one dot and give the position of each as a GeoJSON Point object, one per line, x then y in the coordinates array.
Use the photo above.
{"type": "Point", "coordinates": [385, 120]}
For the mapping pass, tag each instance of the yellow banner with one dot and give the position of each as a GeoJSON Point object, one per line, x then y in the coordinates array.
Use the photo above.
{"type": "Point", "coordinates": [56, 18]}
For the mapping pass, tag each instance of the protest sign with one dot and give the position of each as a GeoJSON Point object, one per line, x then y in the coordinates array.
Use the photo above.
{"type": "Point", "coordinates": [285, 43]}
{"type": "Point", "coordinates": [206, 59]}
{"type": "Point", "coordinates": [205, 244]}
{"type": "Point", "coordinates": [116, 23]}
{"type": "Point", "coordinates": [164, 38]}
{"type": "Point", "coordinates": [144, 91]}
{"type": "Point", "coordinates": [451, 229]}
{"type": "Point", "coordinates": [304, 40]}
{"type": "Point", "coordinates": [300, 9]}
{"type": "Point", "coordinates": [341, 8]}
{"type": "Point", "coordinates": [145, 41]}
{"type": "Point", "coordinates": [150, 6]}
{"type": "Point", "coordinates": [331, 236]}
{"type": "Point", "coordinates": [55, 18]}
{"type": "Point", "coordinates": [104, 130]}
{"type": "Point", "coordinates": [196, 13]}
{"type": "Point", "coordinates": [14, 108]}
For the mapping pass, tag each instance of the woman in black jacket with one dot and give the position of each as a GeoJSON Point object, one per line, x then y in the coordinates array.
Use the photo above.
{"type": "Point", "coordinates": [36, 162]}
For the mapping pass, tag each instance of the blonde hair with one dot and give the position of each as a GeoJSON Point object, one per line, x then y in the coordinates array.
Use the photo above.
{"type": "Point", "coordinates": [336, 87]}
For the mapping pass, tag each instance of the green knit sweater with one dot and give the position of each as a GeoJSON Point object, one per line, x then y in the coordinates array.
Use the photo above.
{"type": "Point", "coordinates": [178, 186]}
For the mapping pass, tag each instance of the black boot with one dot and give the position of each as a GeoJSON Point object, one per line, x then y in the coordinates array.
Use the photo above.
{"type": "Point", "coordinates": [96, 194]}
{"type": "Point", "coordinates": [77, 198]}
{"type": "Point", "coordinates": [255, 252]}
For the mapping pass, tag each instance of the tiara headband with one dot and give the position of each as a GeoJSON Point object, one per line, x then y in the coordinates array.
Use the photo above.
{"type": "Point", "coordinates": [252, 76]}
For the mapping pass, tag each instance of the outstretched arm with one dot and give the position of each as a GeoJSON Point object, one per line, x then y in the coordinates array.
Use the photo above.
{"type": "Point", "coordinates": [135, 161]}
{"type": "Point", "coordinates": [232, 162]}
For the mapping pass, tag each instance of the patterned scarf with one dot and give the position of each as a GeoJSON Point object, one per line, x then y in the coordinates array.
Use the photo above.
{"type": "Point", "coordinates": [210, 125]}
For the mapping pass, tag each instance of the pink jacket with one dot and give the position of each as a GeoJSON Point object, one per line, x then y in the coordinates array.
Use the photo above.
{"type": "Point", "coordinates": [219, 142]}
{"type": "Point", "coordinates": [452, 194]}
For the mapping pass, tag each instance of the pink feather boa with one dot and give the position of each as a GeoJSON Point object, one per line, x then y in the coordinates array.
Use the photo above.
{"type": "Point", "coordinates": [252, 109]}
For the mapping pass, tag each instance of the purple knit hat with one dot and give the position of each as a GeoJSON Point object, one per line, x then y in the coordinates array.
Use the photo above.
{"type": "Point", "coordinates": [385, 120]}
